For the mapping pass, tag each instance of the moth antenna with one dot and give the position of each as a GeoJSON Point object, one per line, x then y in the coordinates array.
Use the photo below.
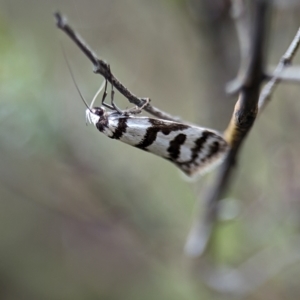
{"type": "Point", "coordinates": [73, 78]}
{"type": "Point", "coordinates": [98, 92]}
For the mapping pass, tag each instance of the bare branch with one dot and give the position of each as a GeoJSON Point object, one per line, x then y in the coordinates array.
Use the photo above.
{"type": "Point", "coordinates": [241, 22]}
{"type": "Point", "coordinates": [103, 68]}
{"type": "Point", "coordinates": [286, 60]}
{"type": "Point", "coordinates": [243, 117]}
{"type": "Point", "coordinates": [242, 27]}
{"type": "Point", "coordinates": [290, 74]}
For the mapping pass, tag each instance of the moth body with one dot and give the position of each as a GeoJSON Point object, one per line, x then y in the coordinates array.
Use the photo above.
{"type": "Point", "coordinates": [193, 149]}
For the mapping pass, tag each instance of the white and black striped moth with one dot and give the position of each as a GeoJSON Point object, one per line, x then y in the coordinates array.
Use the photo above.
{"type": "Point", "coordinates": [193, 149]}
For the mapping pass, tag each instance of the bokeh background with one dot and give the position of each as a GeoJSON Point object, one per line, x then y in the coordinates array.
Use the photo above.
{"type": "Point", "coordinates": [85, 217]}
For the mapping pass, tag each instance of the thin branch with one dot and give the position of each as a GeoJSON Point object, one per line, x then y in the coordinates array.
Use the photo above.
{"type": "Point", "coordinates": [290, 74]}
{"type": "Point", "coordinates": [241, 22]}
{"type": "Point", "coordinates": [241, 25]}
{"type": "Point", "coordinates": [243, 117]}
{"type": "Point", "coordinates": [285, 61]}
{"type": "Point", "coordinates": [240, 16]}
{"type": "Point", "coordinates": [103, 68]}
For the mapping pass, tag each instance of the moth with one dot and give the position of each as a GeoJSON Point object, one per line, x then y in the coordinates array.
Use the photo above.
{"type": "Point", "coordinates": [193, 149]}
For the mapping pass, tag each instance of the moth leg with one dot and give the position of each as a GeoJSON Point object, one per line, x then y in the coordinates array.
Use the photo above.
{"type": "Point", "coordinates": [104, 93]}
{"type": "Point", "coordinates": [115, 107]}
{"type": "Point", "coordinates": [104, 96]}
{"type": "Point", "coordinates": [138, 109]}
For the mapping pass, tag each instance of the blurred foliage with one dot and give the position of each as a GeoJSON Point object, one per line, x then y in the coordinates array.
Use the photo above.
{"type": "Point", "coordinates": [84, 217]}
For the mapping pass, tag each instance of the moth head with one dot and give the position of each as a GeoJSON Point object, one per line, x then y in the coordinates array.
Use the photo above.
{"type": "Point", "coordinates": [94, 115]}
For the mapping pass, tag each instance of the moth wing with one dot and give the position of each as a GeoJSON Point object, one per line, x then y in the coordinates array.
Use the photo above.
{"type": "Point", "coordinates": [202, 152]}
{"type": "Point", "coordinates": [193, 149]}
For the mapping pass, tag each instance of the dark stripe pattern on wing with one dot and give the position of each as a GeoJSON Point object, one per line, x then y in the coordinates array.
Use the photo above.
{"type": "Point", "coordinates": [156, 127]}
{"type": "Point", "coordinates": [199, 143]}
{"type": "Point", "coordinates": [175, 144]}
{"type": "Point", "coordinates": [215, 148]}
{"type": "Point", "coordinates": [121, 129]}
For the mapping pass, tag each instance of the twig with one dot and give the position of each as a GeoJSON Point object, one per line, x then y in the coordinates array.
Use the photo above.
{"type": "Point", "coordinates": [243, 117]}
{"type": "Point", "coordinates": [103, 68]}
{"type": "Point", "coordinates": [241, 22]}
{"type": "Point", "coordinates": [291, 74]}
{"type": "Point", "coordinates": [285, 61]}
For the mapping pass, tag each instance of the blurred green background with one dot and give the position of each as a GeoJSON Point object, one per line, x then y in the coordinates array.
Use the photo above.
{"type": "Point", "coordinates": [85, 217]}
